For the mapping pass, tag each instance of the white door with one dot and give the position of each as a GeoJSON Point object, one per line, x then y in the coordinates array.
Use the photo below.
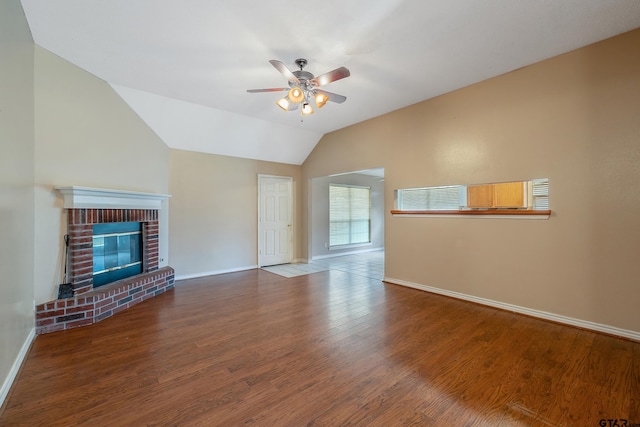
{"type": "Point", "coordinates": [275, 222]}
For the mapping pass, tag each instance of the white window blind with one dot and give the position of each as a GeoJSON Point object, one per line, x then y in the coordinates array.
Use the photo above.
{"type": "Point", "coordinates": [349, 215]}
{"type": "Point", "coordinates": [431, 198]}
{"type": "Point", "coordinates": [540, 193]}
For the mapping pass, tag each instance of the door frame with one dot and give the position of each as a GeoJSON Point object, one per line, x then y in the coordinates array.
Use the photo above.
{"type": "Point", "coordinates": [290, 208]}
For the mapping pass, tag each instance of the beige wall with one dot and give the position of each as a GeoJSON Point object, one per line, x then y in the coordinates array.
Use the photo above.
{"type": "Point", "coordinates": [16, 188]}
{"type": "Point", "coordinates": [214, 211]}
{"type": "Point", "coordinates": [86, 135]}
{"type": "Point", "coordinates": [573, 119]}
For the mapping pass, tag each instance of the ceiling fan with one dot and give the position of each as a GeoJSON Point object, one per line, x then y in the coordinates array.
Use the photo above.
{"type": "Point", "coordinates": [303, 86]}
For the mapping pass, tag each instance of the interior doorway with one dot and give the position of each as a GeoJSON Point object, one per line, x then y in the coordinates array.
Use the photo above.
{"type": "Point", "coordinates": [320, 221]}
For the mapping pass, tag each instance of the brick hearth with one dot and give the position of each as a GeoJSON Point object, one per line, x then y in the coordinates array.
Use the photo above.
{"type": "Point", "coordinates": [105, 301]}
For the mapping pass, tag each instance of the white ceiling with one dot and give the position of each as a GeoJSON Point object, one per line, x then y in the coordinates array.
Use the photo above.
{"type": "Point", "coordinates": [184, 66]}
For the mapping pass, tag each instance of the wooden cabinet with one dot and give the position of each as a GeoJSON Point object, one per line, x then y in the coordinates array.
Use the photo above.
{"type": "Point", "coordinates": [480, 196]}
{"type": "Point", "coordinates": [509, 195]}
{"type": "Point", "coordinates": [502, 195]}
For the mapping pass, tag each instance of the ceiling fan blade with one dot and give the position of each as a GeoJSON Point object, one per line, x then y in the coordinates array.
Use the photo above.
{"type": "Point", "coordinates": [273, 89]}
{"type": "Point", "coordinates": [331, 76]}
{"type": "Point", "coordinates": [333, 97]}
{"type": "Point", "coordinates": [279, 65]}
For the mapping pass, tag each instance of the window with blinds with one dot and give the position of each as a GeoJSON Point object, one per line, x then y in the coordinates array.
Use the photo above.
{"type": "Point", "coordinates": [349, 215]}
{"type": "Point", "coordinates": [540, 194]}
{"type": "Point", "coordinates": [431, 198]}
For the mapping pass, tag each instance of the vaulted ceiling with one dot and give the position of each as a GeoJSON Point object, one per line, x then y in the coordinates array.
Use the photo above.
{"type": "Point", "coordinates": [185, 66]}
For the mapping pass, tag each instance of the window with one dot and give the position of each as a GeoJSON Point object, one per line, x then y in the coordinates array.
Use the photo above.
{"type": "Point", "coordinates": [433, 198]}
{"type": "Point", "coordinates": [349, 215]}
{"type": "Point", "coordinates": [540, 194]}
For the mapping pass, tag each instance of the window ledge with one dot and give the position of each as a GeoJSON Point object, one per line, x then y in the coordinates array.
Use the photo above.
{"type": "Point", "coordinates": [482, 213]}
{"type": "Point", "coordinates": [348, 246]}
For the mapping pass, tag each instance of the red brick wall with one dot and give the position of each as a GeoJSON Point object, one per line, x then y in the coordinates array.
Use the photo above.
{"type": "Point", "coordinates": [80, 228]}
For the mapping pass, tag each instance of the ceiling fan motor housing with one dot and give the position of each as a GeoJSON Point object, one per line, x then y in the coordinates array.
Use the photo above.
{"type": "Point", "coordinates": [304, 77]}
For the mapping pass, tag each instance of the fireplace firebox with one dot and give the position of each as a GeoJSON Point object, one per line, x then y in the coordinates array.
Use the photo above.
{"type": "Point", "coordinates": [117, 251]}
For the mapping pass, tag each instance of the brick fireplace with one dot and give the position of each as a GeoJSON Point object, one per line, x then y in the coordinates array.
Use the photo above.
{"type": "Point", "coordinates": [86, 207]}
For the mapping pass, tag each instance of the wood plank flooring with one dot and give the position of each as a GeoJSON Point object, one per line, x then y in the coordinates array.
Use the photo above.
{"type": "Point", "coordinates": [326, 349]}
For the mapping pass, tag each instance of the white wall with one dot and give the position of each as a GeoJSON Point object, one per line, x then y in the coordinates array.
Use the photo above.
{"type": "Point", "coordinates": [16, 189]}
{"type": "Point", "coordinates": [319, 213]}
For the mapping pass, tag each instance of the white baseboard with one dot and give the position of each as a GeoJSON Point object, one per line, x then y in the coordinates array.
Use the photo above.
{"type": "Point", "coordinates": [584, 324]}
{"type": "Point", "coordinates": [8, 382]}
{"type": "Point", "coordinates": [215, 272]}
{"type": "Point", "coordinates": [361, 251]}
{"type": "Point", "coordinates": [301, 261]}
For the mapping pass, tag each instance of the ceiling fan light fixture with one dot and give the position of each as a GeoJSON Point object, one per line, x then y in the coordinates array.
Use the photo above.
{"type": "Point", "coordinates": [302, 87]}
{"type": "Point", "coordinates": [321, 99]}
{"type": "Point", "coordinates": [306, 109]}
{"type": "Point", "coordinates": [283, 103]}
{"type": "Point", "coordinates": [296, 95]}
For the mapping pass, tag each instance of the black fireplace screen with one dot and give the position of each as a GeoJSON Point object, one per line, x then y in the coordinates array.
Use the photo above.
{"type": "Point", "coordinates": [117, 252]}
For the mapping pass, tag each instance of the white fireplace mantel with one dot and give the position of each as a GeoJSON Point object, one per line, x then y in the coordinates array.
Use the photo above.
{"type": "Point", "coordinates": [102, 198]}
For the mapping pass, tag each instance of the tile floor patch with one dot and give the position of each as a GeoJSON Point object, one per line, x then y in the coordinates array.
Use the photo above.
{"type": "Point", "coordinates": [367, 264]}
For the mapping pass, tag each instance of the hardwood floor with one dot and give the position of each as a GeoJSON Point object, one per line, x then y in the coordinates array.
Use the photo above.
{"type": "Point", "coordinates": [327, 349]}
